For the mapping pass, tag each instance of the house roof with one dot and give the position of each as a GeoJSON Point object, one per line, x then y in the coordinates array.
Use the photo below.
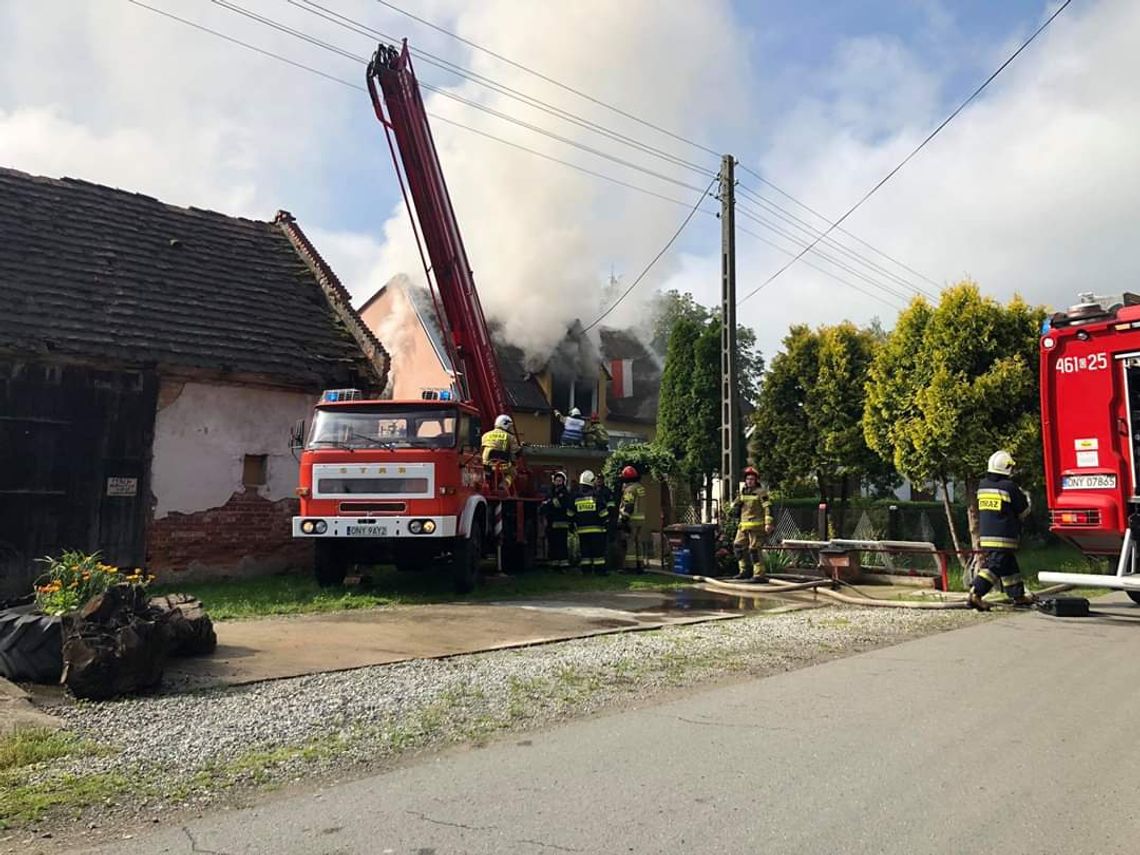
{"type": "Point", "coordinates": [641, 407]}
{"type": "Point", "coordinates": [522, 388]}
{"type": "Point", "coordinates": [93, 272]}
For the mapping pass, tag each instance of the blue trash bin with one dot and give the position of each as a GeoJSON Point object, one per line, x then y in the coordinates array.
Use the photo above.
{"type": "Point", "coordinates": [683, 561]}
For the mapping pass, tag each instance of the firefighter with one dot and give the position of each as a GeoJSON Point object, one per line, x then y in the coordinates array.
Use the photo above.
{"type": "Point", "coordinates": [632, 520]}
{"type": "Point", "coordinates": [596, 434]}
{"type": "Point", "coordinates": [573, 427]}
{"type": "Point", "coordinates": [588, 518]}
{"type": "Point", "coordinates": [1002, 505]}
{"type": "Point", "coordinates": [609, 498]}
{"type": "Point", "coordinates": [754, 512]}
{"type": "Point", "coordinates": [557, 509]}
{"type": "Point", "coordinates": [500, 448]}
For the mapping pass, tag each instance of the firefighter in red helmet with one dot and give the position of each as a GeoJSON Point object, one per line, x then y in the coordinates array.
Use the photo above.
{"type": "Point", "coordinates": [632, 516]}
{"type": "Point", "coordinates": [754, 512]}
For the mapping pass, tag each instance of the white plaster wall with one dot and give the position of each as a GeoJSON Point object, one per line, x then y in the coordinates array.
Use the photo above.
{"type": "Point", "coordinates": [202, 436]}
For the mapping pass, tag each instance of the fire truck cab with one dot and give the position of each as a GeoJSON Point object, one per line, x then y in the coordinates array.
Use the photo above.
{"type": "Point", "coordinates": [1090, 427]}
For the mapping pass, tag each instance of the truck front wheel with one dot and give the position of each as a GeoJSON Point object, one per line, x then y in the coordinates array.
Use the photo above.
{"type": "Point", "coordinates": [330, 564]}
{"type": "Point", "coordinates": [467, 557]}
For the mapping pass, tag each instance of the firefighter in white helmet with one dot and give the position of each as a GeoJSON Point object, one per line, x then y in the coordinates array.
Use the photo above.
{"type": "Point", "coordinates": [1002, 505]}
{"type": "Point", "coordinates": [500, 448]}
{"type": "Point", "coordinates": [588, 516]}
{"type": "Point", "coordinates": [573, 427]}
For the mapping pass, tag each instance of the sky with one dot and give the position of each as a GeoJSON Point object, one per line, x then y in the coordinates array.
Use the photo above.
{"type": "Point", "coordinates": [1033, 189]}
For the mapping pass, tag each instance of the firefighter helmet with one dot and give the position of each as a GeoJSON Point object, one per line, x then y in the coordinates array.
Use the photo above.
{"type": "Point", "coordinates": [557, 475]}
{"type": "Point", "coordinates": [750, 471]}
{"type": "Point", "coordinates": [587, 479]}
{"type": "Point", "coordinates": [504, 422]}
{"type": "Point", "coordinates": [575, 413]}
{"type": "Point", "coordinates": [629, 473]}
{"type": "Point", "coordinates": [1001, 463]}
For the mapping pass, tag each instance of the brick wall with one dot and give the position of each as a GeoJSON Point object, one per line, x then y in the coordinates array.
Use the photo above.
{"type": "Point", "coordinates": [247, 536]}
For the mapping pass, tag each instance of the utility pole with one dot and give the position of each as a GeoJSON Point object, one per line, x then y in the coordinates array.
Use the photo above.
{"type": "Point", "coordinates": [729, 403]}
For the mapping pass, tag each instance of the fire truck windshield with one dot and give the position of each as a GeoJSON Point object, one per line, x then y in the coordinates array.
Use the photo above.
{"type": "Point", "coordinates": [383, 428]}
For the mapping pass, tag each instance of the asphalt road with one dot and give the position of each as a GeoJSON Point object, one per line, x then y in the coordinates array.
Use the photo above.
{"type": "Point", "coordinates": [1011, 736]}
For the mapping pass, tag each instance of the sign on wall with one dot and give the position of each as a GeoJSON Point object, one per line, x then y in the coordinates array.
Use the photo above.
{"type": "Point", "coordinates": [122, 486]}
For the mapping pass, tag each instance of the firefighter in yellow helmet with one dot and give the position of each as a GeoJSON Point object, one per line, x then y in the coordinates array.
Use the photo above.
{"type": "Point", "coordinates": [588, 516]}
{"type": "Point", "coordinates": [1002, 505]}
{"type": "Point", "coordinates": [754, 511]}
{"type": "Point", "coordinates": [500, 448]}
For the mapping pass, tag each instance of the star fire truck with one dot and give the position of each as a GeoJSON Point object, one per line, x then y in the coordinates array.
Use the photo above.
{"type": "Point", "coordinates": [1090, 426]}
{"type": "Point", "coordinates": [403, 481]}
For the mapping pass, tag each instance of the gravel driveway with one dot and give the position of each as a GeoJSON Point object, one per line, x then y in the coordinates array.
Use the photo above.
{"type": "Point", "coordinates": [190, 749]}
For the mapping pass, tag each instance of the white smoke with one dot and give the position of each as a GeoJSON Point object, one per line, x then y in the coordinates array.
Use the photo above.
{"type": "Point", "coordinates": [542, 238]}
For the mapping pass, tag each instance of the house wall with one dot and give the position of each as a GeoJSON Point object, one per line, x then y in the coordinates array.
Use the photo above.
{"type": "Point", "coordinates": [533, 429]}
{"type": "Point", "coordinates": [206, 522]}
{"type": "Point", "coordinates": [415, 364]}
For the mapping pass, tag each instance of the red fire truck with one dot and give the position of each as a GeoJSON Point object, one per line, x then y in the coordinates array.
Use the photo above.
{"type": "Point", "coordinates": [403, 481]}
{"type": "Point", "coordinates": [1090, 426]}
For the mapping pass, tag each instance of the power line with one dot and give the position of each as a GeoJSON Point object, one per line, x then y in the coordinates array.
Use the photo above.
{"type": "Point", "coordinates": [822, 270]}
{"type": "Point", "coordinates": [362, 29]}
{"type": "Point", "coordinates": [800, 243]}
{"type": "Point", "coordinates": [306, 37]}
{"type": "Point", "coordinates": [643, 190]}
{"type": "Point", "coordinates": [916, 150]}
{"type": "Point", "coordinates": [248, 46]}
{"type": "Point", "coordinates": [655, 258]}
{"type": "Point", "coordinates": [803, 226]}
{"type": "Point", "coordinates": [641, 121]}
{"type": "Point", "coordinates": [826, 219]}
{"type": "Point", "coordinates": [549, 80]}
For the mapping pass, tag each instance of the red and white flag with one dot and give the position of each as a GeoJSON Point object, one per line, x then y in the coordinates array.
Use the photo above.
{"type": "Point", "coordinates": [622, 372]}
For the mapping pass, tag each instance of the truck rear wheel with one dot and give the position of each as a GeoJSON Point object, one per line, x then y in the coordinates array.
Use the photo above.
{"type": "Point", "coordinates": [467, 557]}
{"type": "Point", "coordinates": [330, 565]}
{"type": "Point", "coordinates": [1134, 596]}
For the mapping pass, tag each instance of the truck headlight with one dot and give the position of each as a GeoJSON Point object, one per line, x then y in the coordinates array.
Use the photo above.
{"type": "Point", "coordinates": [321, 527]}
{"type": "Point", "coordinates": [415, 526]}
{"type": "Point", "coordinates": [429, 526]}
{"type": "Point", "coordinates": [308, 526]}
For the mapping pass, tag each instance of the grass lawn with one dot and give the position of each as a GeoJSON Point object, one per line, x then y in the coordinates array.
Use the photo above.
{"type": "Point", "coordinates": [300, 594]}
{"type": "Point", "coordinates": [1058, 557]}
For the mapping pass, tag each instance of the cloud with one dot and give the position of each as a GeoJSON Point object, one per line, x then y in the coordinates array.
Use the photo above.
{"type": "Point", "coordinates": [1032, 188]}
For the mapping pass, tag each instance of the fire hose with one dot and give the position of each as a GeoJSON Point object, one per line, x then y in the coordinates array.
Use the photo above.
{"type": "Point", "coordinates": [821, 586]}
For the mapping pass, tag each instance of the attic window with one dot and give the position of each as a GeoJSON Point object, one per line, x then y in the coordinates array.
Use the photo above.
{"type": "Point", "coordinates": [254, 471]}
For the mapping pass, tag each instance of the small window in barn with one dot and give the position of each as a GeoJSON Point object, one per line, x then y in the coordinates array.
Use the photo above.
{"type": "Point", "coordinates": [253, 470]}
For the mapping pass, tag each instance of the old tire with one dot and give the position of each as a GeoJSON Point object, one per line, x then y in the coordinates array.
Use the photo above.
{"type": "Point", "coordinates": [467, 557]}
{"type": "Point", "coordinates": [1134, 596]}
{"type": "Point", "coordinates": [330, 566]}
{"type": "Point", "coordinates": [31, 646]}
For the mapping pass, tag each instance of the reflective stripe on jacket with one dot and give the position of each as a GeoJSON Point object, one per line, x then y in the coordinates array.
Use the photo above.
{"type": "Point", "coordinates": [633, 502]}
{"type": "Point", "coordinates": [588, 514]}
{"type": "Point", "coordinates": [755, 509]}
{"type": "Point", "coordinates": [1001, 508]}
{"type": "Point", "coordinates": [498, 445]}
{"type": "Point", "coordinates": [573, 430]}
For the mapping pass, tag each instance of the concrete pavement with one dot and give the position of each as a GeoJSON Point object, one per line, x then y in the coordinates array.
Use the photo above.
{"type": "Point", "coordinates": [863, 754]}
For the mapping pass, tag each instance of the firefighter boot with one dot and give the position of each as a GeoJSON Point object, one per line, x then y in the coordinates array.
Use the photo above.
{"type": "Point", "coordinates": [975, 601]}
{"type": "Point", "coordinates": [1025, 599]}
